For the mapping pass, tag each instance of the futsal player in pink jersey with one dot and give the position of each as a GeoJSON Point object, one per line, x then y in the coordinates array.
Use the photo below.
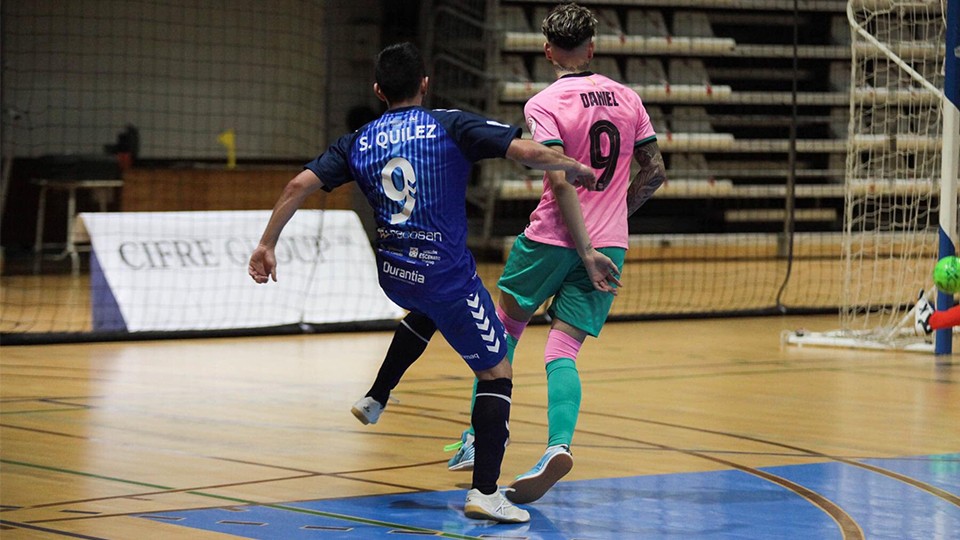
{"type": "Point", "coordinates": [601, 122]}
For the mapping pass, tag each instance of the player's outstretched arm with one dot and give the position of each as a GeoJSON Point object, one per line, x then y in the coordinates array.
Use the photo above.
{"type": "Point", "coordinates": [603, 272]}
{"type": "Point", "coordinates": [648, 179]}
{"type": "Point", "coordinates": [535, 155]}
{"type": "Point", "coordinates": [263, 262]}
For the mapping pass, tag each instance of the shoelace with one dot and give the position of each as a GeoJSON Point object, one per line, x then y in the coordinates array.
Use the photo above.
{"type": "Point", "coordinates": [504, 503]}
{"type": "Point", "coordinates": [453, 447]}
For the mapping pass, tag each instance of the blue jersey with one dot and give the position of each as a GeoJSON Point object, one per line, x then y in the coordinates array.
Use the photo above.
{"type": "Point", "coordinates": [413, 165]}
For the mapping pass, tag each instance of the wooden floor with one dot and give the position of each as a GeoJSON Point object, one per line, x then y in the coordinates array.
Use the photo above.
{"type": "Point", "coordinates": [95, 434]}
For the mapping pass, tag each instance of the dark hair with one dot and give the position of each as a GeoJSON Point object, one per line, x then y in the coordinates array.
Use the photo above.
{"type": "Point", "coordinates": [399, 71]}
{"type": "Point", "coordinates": [568, 26]}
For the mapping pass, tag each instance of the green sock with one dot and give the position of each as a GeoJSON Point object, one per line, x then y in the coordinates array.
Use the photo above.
{"type": "Point", "coordinates": [563, 400]}
{"type": "Point", "coordinates": [511, 347]}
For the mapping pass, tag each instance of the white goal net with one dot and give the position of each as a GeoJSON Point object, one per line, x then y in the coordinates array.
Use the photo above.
{"type": "Point", "coordinates": [893, 170]}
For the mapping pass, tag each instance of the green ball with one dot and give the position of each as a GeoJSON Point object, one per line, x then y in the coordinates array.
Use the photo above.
{"type": "Point", "coordinates": [946, 275]}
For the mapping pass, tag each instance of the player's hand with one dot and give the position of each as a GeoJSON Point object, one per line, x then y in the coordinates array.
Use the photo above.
{"type": "Point", "coordinates": [603, 272]}
{"type": "Point", "coordinates": [263, 265]}
{"type": "Point", "coordinates": [582, 176]}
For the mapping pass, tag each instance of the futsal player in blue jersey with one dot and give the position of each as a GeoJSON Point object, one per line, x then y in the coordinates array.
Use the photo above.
{"type": "Point", "coordinates": [413, 164]}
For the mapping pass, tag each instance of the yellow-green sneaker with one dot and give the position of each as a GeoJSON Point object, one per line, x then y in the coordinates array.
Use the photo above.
{"type": "Point", "coordinates": [463, 459]}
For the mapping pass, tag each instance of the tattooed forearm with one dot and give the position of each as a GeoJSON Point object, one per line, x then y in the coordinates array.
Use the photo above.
{"type": "Point", "coordinates": [651, 176]}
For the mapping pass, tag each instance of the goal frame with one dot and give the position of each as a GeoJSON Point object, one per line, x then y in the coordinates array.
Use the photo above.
{"type": "Point", "coordinates": [947, 225]}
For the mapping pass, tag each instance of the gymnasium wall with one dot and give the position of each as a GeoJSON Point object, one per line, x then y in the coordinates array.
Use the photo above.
{"type": "Point", "coordinates": [281, 74]}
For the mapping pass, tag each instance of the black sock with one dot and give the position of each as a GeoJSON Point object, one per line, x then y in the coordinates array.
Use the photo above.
{"type": "Point", "coordinates": [409, 341]}
{"type": "Point", "coordinates": [491, 414]}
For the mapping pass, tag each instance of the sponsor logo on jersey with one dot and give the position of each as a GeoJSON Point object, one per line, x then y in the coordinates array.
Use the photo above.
{"type": "Point", "coordinates": [401, 234]}
{"type": "Point", "coordinates": [410, 276]}
{"type": "Point", "coordinates": [429, 255]}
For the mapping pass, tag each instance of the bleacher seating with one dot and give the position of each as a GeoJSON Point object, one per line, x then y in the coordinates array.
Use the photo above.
{"type": "Point", "coordinates": [692, 24]}
{"type": "Point", "coordinates": [645, 22]}
{"type": "Point", "coordinates": [609, 22]}
{"type": "Point", "coordinates": [691, 120]}
{"type": "Point", "coordinates": [839, 75]}
{"type": "Point", "coordinates": [687, 71]}
{"type": "Point", "coordinates": [512, 68]}
{"type": "Point", "coordinates": [687, 165]}
{"type": "Point", "coordinates": [646, 33]}
{"type": "Point", "coordinates": [644, 71]}
{"type": "Point", "coordinates": [839, 30]}
{"type": "Point", "coordinates": [608, 66]}
{"type": "Point", "coordinates": [839, 118]}
{"type": "Point", "coordinates": [657, 118]}
{"type": "Point", "coordinates": [543, 71]}
{"type": "Point", "coordinates": [693, 64]}
{"type": "Point", "coordinates": [512, 19]}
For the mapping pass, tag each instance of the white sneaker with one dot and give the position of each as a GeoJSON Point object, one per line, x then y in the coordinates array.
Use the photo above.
{"type": "Point", "coordinates": [367, 410]}
{"type": "Point", "coordinates": [921, 316]}
{"type": "Point", "coordinates": [493, 507]}
{"type": "Point", "coordinates": [533, 484]}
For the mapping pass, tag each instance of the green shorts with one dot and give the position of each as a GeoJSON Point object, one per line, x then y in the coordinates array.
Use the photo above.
{"type": "Point", "coordinates": [534, 272]}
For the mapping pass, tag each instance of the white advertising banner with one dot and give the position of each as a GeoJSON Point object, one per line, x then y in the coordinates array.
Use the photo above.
{"type": "Point", "coordinates": [169, 271]}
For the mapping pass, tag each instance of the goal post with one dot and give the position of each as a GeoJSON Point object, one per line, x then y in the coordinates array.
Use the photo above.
{"type": "Point", "coordinates": [900, 192]}
{"type": "Point", "coordinates": [950, 169]}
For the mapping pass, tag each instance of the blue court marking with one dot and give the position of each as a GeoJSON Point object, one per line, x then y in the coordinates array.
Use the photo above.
{"type": "Point", "coordinates": [716, 505]}
{"type": "Point", "coordinates": [884, 507]}
{"type": "Point", "coordinates": [942, 471]}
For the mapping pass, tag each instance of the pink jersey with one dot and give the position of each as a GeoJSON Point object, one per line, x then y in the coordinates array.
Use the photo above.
{"type": "Point", "coordinates": [598, 122]}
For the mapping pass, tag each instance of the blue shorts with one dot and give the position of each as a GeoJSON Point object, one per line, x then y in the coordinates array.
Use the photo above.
{"type": "Point", "coordinates": [469, 323]}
